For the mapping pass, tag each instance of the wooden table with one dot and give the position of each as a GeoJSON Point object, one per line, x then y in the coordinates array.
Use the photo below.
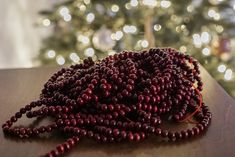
{"type": "Point", "coordinates": [18, 87]}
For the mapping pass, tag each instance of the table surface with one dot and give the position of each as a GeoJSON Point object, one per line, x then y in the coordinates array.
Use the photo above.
{"type": "Point", "coordinates": [20, 86]}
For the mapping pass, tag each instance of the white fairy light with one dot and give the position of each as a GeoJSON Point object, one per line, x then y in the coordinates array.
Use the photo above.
{"type": "Point", "coordinates": [87, 1]}
{"type": "Point", "coordinates": [234, 7]}
{"type": "Point", "coordinates": [46, 22]}
{"type": "Point", "coordinates": [165, 4]}
{"type": "Point", "coordinates": [111, 52]}
{"type": "Point", "coordinates": [90, 17]}
{"type": "Point", "coordinates": [113, 36]}
{"type": "Point", "coordinates": [51, 54]}
{"type": "Point", "coordinates": [228, 74]}
{"type": "Point", "coordinates": [182, 27]}
{"type": "Point", "coordinates": [197, 40]}
{"type": "Point", "coordinates": [150, 3]}
{"type": "Point", "coordinates": [129, 29]}
{"type": "Point", "coordinates": [144, 43]}
{"type": "Point", "coordinates": [206, 51]}
{"type": "Point", "coordinates": [89, 52]}
{"type": "Point", "coordinates": [82, 7]}
{"type": "Point", "coordinates": [183, 48]}
{"type": "Point", "coordinates": [83, 39]}
{"type": "Point", "coordinates": [115, 8]}
{"type": "Point", "coordinates": [219, 28]}
{"type": "Point", "coordinates": [67, 17]}
{"type": "Point", "coordinates": [221, 68]}
{"type": "Point", "coordinates": [74, 57]}
{"type": "Point", "coordinates": [196, 36]}
{"type": "Point", "coordinates": [190, 8]}
{"type": "Point", "coordinates": [64, 11]}
{"type": "Point", "coordinates": [217, 16]}
{"type": "Point", "coordinates": [157, 27]}
{"type": "Point", "coordinates": [211, 13]}
{"type": "Point", "coordinates": [118, 35]}
{"type": "Point", "coordinates": [134, 3]}
{"type": "Point", "coordinates": [205, 37]}
{"type": "Point", "coordinates": [128, 6]}
{"type": "Point", "coordinates": [60, 60]}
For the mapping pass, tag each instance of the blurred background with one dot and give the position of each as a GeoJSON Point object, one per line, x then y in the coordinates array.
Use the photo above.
{"type": "Point", "coordinates": [63, 32]}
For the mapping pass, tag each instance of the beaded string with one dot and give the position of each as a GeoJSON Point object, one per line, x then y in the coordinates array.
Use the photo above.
{"type": "Point", "coordinates": [188, 118]}
{"type": "Point", "coordinates": [122, 97]}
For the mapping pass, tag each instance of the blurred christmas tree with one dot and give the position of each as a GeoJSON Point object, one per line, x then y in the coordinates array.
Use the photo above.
{"type": "Point", "coordinates": [202, 28]}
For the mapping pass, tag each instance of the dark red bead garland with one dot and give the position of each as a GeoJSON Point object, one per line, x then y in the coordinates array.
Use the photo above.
{"type": "Point", "coordinates": [122, 97]}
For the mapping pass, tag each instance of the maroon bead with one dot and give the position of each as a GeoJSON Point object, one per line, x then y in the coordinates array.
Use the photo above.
{"type": "Point", "coordinates": [158, 131]}
{"type": "Point", "coordinates": [184, 134]}
{"type": "Point", "coordinates": [190, 133]}
{"type": "Point", "coordinates": [137, 137]}
{"type": "Point", "coordinates": [164, 133]}
{"type": "Point", "coordinates": [178, 135]}
{"type": "Point", "coordinates": [116, 132]}
{"type": "Point", "coordinates": [130, 137]}
{"type": "Point", "coordinates": [171, 136]}
{"type": "Point", "coordinates": [123, 134]}
{"type": "Point", "coordinates": [60, 148]}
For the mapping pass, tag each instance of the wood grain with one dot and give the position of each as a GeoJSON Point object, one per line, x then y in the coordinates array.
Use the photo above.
{"type": "Point", "coordinates": [19, 87]}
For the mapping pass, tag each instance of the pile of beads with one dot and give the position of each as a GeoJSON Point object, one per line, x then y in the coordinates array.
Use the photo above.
{"type": "Point", "coordinates": [122, 97]}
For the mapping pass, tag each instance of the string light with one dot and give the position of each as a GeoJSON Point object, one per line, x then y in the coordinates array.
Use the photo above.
{"type": "Point", "coordinates": [205, 37]}
{"type": "Point", "coordinates": [215, 2]}
{"type": "Point", "coordinates": [190, 8]}
{"type": "Point", "coordinates": [129, 29]}
{"type": "Point", "coordinates": [183, 48]}
{"type": "Point", "coordinates": [67, 17]}
{"type": "Point", "coordinates": [165, 4]}
{"type": "Point", "coordinates": [150, 3]}
{"type": "Point", "coordinates": [74, 57]}
{"type": "Point", "coordinates": [228, 74]}
{"type": "Point", "coordinates": [90, 17]}
{"type": "Point", "coordinates": [221, 68]}
{"type": "Point", "coordinates": [86, 1]}
{"type": "Point", "coordinates": [82, 7]}
{"type": "Point", "coordinates": [213, 14]}
{"type": "Point", "coordinates": [197, 40]}
{"type": "Point", "coordinates": [182, 27]}
{"type": "Point", "coordinates": [219, 28]}
{"type": "Point", "coordinates": [134, 3]}
{"type": "Point", "coordinates": [144, 43]}
{"type": "Point", "coordinates": [111, 52]}
{"type": "Point", "coordinates": [46, 22]}
{"type": "Point", "coordinates": [206, 51]}
{"type": "Point", "coordinates": [234, 7]}
{"type": "Point", "coordinates": [83, 39]}
{"type": "Point", "coordinates": [117, 36]}
{"type": "Point", "coordinates": [64, 11]}
{"type": "Point", "coordinates": [89, 52]}
{"type": "Point", "coordinates": [115, 8]}
{"type": "Point", "coordinates": [217, 16]}
{"type": "Point", "coordinates": [60, 60]}
{"type": "Point", "coordinates": [138, 42]}
{"type": "Point", "coordinates": [128, 6]}
{"type": "Point", "coordinates": [178, 29]}
{"type": "Point", "coordinates": [51, 54]}
{"type": "Point", "coordinates": [157, 27]}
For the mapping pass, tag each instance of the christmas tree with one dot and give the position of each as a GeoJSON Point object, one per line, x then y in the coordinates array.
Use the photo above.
{"type": "Point", "coordinates": [91, 28]}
